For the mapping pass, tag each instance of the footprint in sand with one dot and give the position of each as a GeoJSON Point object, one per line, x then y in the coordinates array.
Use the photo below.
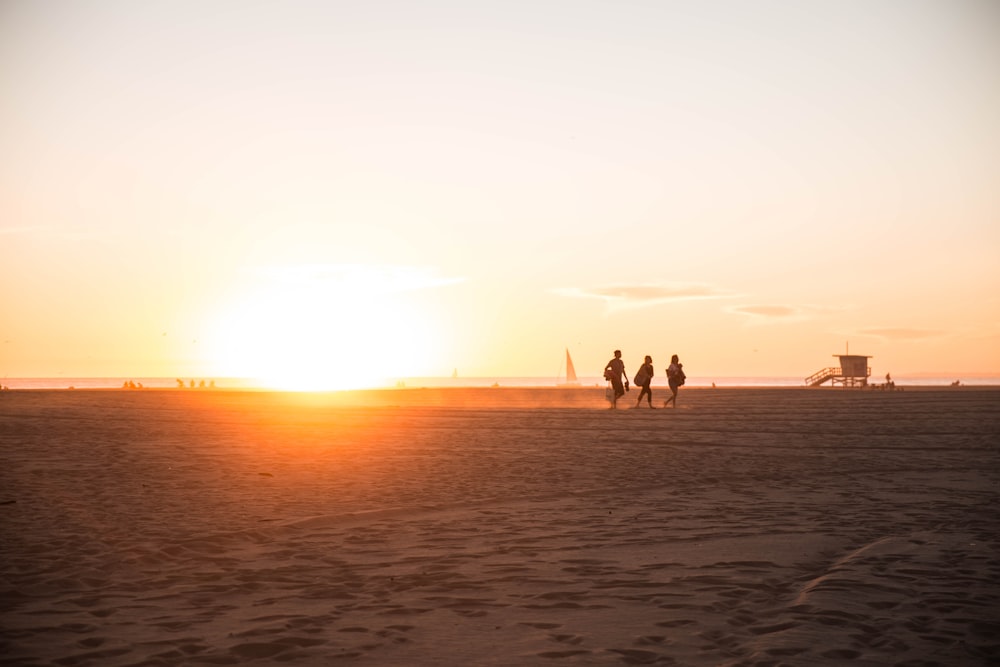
{"type": "Point", "coordinates": [562, 654]}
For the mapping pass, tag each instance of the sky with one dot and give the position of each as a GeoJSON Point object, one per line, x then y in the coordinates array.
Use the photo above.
{"type": "Point", "coordinates": [339, 193]}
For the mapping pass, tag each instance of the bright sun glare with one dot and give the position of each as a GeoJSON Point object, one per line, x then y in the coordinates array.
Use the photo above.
{"type": "Point", "coordinates": [316, 329]}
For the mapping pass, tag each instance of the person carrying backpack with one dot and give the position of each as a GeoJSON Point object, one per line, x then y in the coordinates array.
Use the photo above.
{"type": "Point", "coordinates": [614, 371]}
{"type": "Point", "coordinates": [642, 379]}
{"type": "Point", "coordinates": [675, 378]}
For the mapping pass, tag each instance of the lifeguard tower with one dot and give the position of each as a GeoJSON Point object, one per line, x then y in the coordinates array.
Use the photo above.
{"type": "Point", "coordinates": [852, 372]}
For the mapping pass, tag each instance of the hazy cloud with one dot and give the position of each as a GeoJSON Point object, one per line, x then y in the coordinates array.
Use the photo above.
{"type": "Point", "coordinates": [768, 311]}
{"type": "Point", "coordinates": [50, 232]}
{"type": "Point", "coordinates": [24, 229]}
{"type": "Point", "coordinates": [901, 333]}
{"type": "Point", "coordinates": [637, 296]}
{"type": "Point", "coordinates": [374, 278]}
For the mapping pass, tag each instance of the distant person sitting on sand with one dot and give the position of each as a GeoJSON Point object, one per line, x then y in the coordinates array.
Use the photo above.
{"type": "Point", "coordinates": [642, 379]}
{"type": "Point", "coordinates": [675, 378]}
{"type": "Point", "coordinates": [615, 372]}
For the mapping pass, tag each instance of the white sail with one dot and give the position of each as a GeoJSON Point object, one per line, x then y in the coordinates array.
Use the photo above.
{"type": "Point", "coordinates": [571, 380]}
{"type": "Point", "coordinates": [570, 371]}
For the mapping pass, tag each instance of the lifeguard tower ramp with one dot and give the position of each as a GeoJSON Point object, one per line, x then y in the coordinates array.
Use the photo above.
{"type": "Point", "coordinates": [852, 372]}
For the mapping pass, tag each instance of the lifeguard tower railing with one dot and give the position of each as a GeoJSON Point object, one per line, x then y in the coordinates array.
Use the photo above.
{"type": "Point", "coordinates": [836, 375]}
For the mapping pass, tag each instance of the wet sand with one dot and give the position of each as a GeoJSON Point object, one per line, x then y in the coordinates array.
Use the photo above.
{"type": "Point", "coordinates": [500, 527]}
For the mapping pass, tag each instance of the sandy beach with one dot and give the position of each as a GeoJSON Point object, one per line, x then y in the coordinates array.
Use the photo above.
{"type": "Point", "coordinates": [500, 527]}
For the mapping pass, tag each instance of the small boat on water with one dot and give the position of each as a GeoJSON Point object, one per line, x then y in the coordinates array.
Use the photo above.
{"type": "Point", "coordinates": [571, 380]}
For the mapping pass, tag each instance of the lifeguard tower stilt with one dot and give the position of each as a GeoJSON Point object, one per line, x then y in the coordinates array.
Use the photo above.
{"type": "Point", "coordinates": [853, 371]}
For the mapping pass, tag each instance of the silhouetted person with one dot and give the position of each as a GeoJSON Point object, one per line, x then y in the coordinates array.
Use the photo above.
{"type": "Point", "coordinates": [615, 372]}
{"type": "Point", "coordinates": [643, 379]}
{"type": "Point", "coordinates": [675, 378]}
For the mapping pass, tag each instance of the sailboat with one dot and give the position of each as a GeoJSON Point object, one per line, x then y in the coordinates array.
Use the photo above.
{"type": "Point", "coordinates": [571, 380]}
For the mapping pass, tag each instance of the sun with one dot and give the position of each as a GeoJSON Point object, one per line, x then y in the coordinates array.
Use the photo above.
{"type": "Point", "coordinates": [305, 329]}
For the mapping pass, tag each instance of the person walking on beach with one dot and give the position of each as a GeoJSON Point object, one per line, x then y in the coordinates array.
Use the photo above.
{"type": "Point", "coordinates": [675, 378]}
{"type": "Point", "coordinates": [642, 379]}
{"type": "Point", "coordinates": [615, 371]}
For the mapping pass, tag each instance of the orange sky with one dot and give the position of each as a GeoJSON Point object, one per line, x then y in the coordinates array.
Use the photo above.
{"type": "Point", "coordinates": [346, 192]}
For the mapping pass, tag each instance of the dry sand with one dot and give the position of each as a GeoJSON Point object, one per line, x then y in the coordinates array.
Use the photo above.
{"type": "Point", "coordinates": [500, 527]}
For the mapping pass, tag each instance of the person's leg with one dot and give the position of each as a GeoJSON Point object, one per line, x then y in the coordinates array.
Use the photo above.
{"type": "Point", "coordinates": [673, 397]}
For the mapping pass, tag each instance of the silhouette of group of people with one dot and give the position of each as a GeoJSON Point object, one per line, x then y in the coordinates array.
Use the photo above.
{"type": "Point", "coordinates": [890, 384]}
{"type": "Point", "coordinates": [131, 384]}
{"type": "Point", "coordinates": [615, 373]}
{"type": "Point", "coordinates": [200, 385]}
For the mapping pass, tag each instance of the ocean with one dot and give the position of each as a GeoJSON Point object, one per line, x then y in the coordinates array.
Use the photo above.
{"type": "Point", "coordinates": [245, 383]}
